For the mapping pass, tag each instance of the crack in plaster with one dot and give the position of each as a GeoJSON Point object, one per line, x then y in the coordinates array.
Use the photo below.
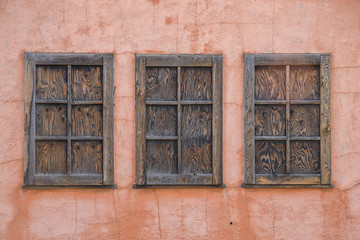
{"type": "Point", "coordinates": [158, 210]}
{"type": "Point", "coordinates": [72, 237]}
{"type": "Point", "coordinates": [11, 161]}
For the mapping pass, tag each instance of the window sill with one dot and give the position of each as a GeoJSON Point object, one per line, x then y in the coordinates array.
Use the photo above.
{"type": "Point", "coordinates": [69, 186]}
{"type": "Point", "coordinates": [135, 186]}
{"type": "Point", "coordinates": [286, 186]}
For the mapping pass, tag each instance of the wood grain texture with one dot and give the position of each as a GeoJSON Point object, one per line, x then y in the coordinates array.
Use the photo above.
{"type": "Point", "coordinates": [87, 120]}
{"type": "Point", "coordinates": [305, 82]}
{"type": "Point", "coordinates": [180, 179]}
{"type": "Point", "coordinates": [86, 83]}
{"type": "Point", "coordinates": [249, 120]}
{"type": "Point", "coordinates": [325, 128]}
{"type": "Point", "coordinates": [71, 58]}
{"type": "Point", "coordinates": [196, 84]}
{"type": "Point", "coordinates": [161, 84]}
{"type": "Point", "coordinates": [50, 157]}
{"type": "Point", "coordinates": [196, 142]}
{"type": "Point", "coordinates": [270, 83]}
{"type": "Point", "coordinates": [178, 60]}
{"type": "Point", "coordinates": [51, 82]}
{"type": "Point", "coordinates": [287, 59]}
{"type": "Point", "coordinates": [270, 157]}
{"type": "Point", "coordinates": [140, 122]}
{"type": "Point", "coordinates": [217, 72]}
{"type": "Point", "coordinates": [61, 180]}
{"type": "Point", "coordinates": [304, 157]}
{"type": "Point", "coordinates": [305, 120]}
{"type": "Point", "coordinates": [161, 157]}
{"type": "Point", "coordinates": [270, 120]}
{"type": "Point", "coordinates": [161, 121]}
{"type": "Point", "coordinates": [108, 120]}
{"type": "Point", "coordinates": [29, 117]}
{"type": "Point", "coordinates": [298, 179]}
{"type": "Point", "coordinates": [87, 157]}
{"type": "Point", "coordinates": [51, 120]}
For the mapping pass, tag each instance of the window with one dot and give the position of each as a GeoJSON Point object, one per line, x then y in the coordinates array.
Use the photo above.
{"type": "Point", "coordinates": [68, 120]}
{"type": "Point", "coordinates": [287, 120]}
{"type": "Point", "coordinates": [178, 120]}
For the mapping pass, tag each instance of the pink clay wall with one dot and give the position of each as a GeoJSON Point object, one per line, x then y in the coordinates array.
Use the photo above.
{"type": "Point", "coordinates": [230, 27]}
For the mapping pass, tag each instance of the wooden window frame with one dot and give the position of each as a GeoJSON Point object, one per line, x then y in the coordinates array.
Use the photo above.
{"type": "Point", "coordinates": [182, 60]}
{"type": "Point", "coordinates": [33, 180]}
{"type": "Point", "coordinates": [322, 180]}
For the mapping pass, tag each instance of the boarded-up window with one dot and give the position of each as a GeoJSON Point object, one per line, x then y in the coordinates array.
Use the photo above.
{"type": "Point", "coordinates": [287, 120]}
{"type": "Point", "coordinates": [178, 120]}
{"type": "Point", "coordinates": [68, 119]}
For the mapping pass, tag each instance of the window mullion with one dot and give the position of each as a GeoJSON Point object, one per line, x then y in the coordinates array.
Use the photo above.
{"type": "Point", "coordinates": [179, 166]}
{"type": "Point", "coordinates": [287, 119]}
{"type": "Point", "coordinates": [68, 163]}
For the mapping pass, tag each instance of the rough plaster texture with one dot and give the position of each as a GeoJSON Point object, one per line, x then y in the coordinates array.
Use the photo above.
{"type": "Point", "coordinates": [230, 27]}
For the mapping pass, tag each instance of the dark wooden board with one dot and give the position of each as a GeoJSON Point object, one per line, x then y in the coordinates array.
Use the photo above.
{"type": "Point", "coordinates": [305, 157]}
{"type": "Point", "coordinates": [180, 179]}
{"type": "Point", "coordinates": [305, 120]}
{"type": "Point", "coordinates": [270, 83]}
{"type": "Point", "coordinates": [51, 120]}
{"type": "Point", "coordinates": [286, 58]}
{"type": "Point", "coordinates": [161, 121]}
{"type": "Point", "coordinates": [196, 142]}
{"type": "Point", "coordinates": [179, 60]}
{"type": "Point", "coordinates": [51, 82]}
{"type": "Point", "coordinates": [161, 84]}
{"type": "Point", "coordinates": [86, 83]}
{"type": "Point", "coordinates": [71, 58]}
{"type": "Point", "coordinates": [161, 157]}
{"type": "Point", "coordinates": [270, 120]}
{"type": "Point", "coordinates": [87, 120]}
{"type": "Point", "coordinates": [305, 82]}
{"type": "Point", "coordinates": [50, 157]}
{"type": "Point", "coordinates": [196, 84]}
{"type": "Point", "coordinates": [270, 157]}
{"type": "Point", "coordinates": [86, 157]}
{"type": "Point", "coordinates": [62, 180]}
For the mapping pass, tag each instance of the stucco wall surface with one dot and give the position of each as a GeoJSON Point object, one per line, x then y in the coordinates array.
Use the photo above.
{"type": "Point", "coordinates": [230, 27]}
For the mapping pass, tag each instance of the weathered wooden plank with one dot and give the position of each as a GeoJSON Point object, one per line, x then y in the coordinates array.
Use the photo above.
{"type": "Point", "coordinates": [69, 114]}
{"type": "Point", "coordinates": [270, 157]}
{"type": "Point", "coordinates": [87, 120]}
{"type": "Point", "coordinates": [325, 119]}
{"type": "Point", "coordinates": [87, 157]}
{"type": "Point", "coordinates": [196, 102]}
{"type": "Point", "coordinates": [161, 84]}
{"type": "Point", "coordinates": [50, 157]}
{"type": "Point", "coordinates": [179, 160]}
{"type": "Point", "coordinates": [287, 59]}
{"type": "Point", "coordinates": [287, 186]}
{"type": "Point", "coordinates": [305, 138]}
{"type": "Point", "coordinates": [69, 58]}
{"type": "Point", "coordinates": [249, 120]}
{"type": "Point", "coordinates": [270, 83]}
{"type": "Point", "coordinates": [196, 84]}
{"type": "Point", "coordinates": [288, 179]}
{"type": "Point", "coordinates": [140, 116]}
{"type": "Point", "coordinates": [196, 141]}
{"type": "Point", "coordinates": [161, 157]}
{"type": "Point", "coordinates": [162, 103]}
{"type": "Point", "coordinates": [162, 138]}
{"type": "Point", "coordinates": [270, 120]}
{"type": "Point", "coordinates": [217, 73]}
{"type": "Point", "coordinates": [51, 120]}
{"type": "Point", "coordinates": [87, 83]}
{"type": "Point", "coordinates": [108, 120]}
{"type": "Point", "coordinates": [287, 164]}
{"type": "Point", "coordinates": [305, 82]}
{"type": "Point", "coordinates": [68, 180]}
{"type": "Point", "coordinates": [271, 138]}
{"type": "Point", "coordinates": [305, 102]}
{"type": "Point", "coordinates": [51, 82]}
{"type": "Point", "coordinates": [305, 120]}
{"type": "Point", "coordinates": [181, 60]}
{"type": "Point", "coordinates": [29, 126]}
{"type": "Point", "coordinates": [86, 103]}
{"type": "Point", "coordinates": [270, 102]}
{"type": "Point", "coordinates": [161, 120]}
{"type": "Point", "coordinates": [179, 179]}
{"type": "Point", "coordinates": [305, 157]}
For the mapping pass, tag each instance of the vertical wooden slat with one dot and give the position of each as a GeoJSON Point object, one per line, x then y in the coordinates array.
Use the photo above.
{"type": "Point", "coordinates": [140, 111]}
{"type": "Point", "coordinates": [108, 118]}
{"type": "Point", "coordinates": [68, 163]}
{"type": "Point", "coordinates": [287, 119]}
{"type": "Point", "coordinates": [179, 163]}
{"type": "Point", "coordinates": [29, 127]}
{"type": "Point", "coordinates": [249, 122]}
{"type": "Point", "coordinates": [325, 152]}
{"type": "Point", "coordinates": [217, 120]}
